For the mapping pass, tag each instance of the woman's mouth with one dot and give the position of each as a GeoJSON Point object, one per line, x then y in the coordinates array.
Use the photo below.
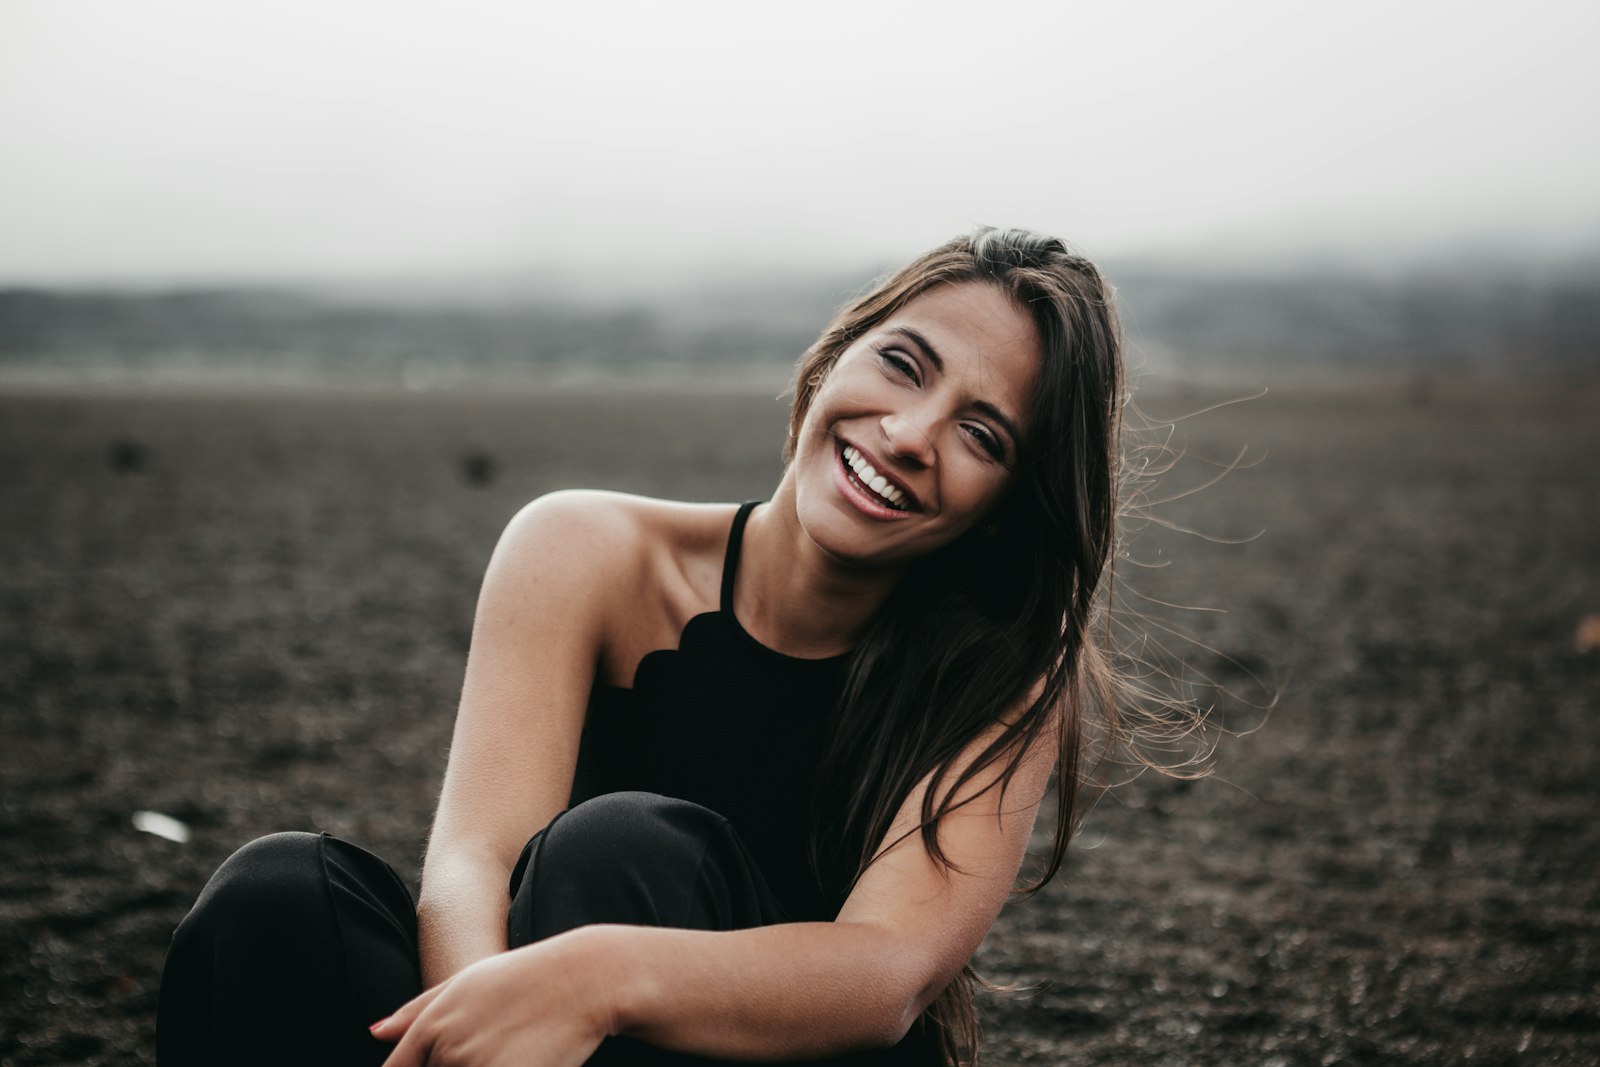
{"type": "Point", "coordinates": [874, 486]}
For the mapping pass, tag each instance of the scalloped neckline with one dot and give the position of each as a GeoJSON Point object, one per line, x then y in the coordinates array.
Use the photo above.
{"type": "Point", "coordinates": [724, 610]}
{"type": "Point", "coordinates": [745, 638]}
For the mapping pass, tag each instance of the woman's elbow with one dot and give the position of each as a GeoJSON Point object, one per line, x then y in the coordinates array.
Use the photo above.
{"type": "Point", "coordinates": [898, 1024]}
{"type": "Point", "coordinates": [896, 1014]}
{"type": "Point", "coordinates": [872, 1031]}
{"type": "Point", "coordinates": [904, 972]}
{"type": "Point", "coordinates": [889, 1026]}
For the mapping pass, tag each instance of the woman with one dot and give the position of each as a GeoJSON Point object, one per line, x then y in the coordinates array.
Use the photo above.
{"type": "Point", "coordinates": [785, 758]}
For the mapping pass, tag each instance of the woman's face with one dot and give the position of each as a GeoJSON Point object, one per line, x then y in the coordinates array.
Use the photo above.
{"type": "Point", "coordinates": [912, 438]}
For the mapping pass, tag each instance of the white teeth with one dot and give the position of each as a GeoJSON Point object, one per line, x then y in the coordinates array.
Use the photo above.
{"type": "Point", "coordinates": [872, 479]}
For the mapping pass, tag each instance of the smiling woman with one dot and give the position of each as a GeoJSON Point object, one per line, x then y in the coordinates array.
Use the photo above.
{"type": "Point", "coordinates": [780, 762]}
{"type": "Point", "coordinates": [913, 437]}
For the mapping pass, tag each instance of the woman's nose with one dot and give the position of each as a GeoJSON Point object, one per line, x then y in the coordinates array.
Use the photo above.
{"type": "Point", "coordinates": [906, 438]}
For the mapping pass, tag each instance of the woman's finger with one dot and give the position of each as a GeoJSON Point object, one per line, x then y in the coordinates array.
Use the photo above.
{"type": "Point", "coordinates": [414, 1044]}
{"type": "Point", "coordinates": [394, 1027]}
{"type": "Point", "coordinates": [410, 1052]}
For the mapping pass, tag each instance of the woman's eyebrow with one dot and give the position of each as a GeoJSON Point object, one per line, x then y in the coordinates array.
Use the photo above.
{"type": "Point", "coordinates": [928, 351]}
{"type": "Point", "coordinates": [1000, 417]}
{"type": "Point", "coordinates": [932, 356]}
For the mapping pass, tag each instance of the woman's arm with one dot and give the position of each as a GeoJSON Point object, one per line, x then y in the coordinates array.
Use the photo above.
{"type": "Point", "coordinates": [789, 991]}
{"type": "Point", "coordinates": [535, 640]}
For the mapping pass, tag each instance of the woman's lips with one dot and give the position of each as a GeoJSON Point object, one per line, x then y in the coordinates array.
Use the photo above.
{"type": "Point", "coordinates": [869, 489]}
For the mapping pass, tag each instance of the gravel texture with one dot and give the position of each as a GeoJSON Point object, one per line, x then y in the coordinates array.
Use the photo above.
{"type": "Point", "coordinates": [250, 613]}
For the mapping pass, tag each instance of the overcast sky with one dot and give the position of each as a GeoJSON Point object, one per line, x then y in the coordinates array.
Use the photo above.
{"type": "Point", "coordinates": [165, 139]}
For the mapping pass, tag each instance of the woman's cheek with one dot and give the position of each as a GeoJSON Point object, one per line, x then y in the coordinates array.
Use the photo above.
{"type": "Point", "coordinates": [981, 485]}
{"type": "Point", "coordinates": [850, 391]}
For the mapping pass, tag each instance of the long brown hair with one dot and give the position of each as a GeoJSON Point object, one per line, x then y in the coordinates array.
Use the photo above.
{"type": "Point", "coordinates": [1002, 619]}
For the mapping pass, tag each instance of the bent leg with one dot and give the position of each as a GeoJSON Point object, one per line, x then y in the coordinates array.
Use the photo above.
{"type": "Point", "coordinates": [640, 859]}
{"type": "Point", "coordinates": [649, 860]}
{"type": "Point", "coordinates": [296, 945]}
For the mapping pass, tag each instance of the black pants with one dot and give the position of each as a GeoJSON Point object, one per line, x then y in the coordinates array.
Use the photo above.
{"type": "Point", "coordinates": [300, 941]}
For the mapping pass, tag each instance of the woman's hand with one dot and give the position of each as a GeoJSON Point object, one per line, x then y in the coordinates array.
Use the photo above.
{"type": "Point", "coordinates": [530, 1007]}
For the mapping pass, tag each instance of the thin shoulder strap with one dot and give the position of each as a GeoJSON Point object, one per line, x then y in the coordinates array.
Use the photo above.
{"type": "Point", "coordinates": [730, 562]}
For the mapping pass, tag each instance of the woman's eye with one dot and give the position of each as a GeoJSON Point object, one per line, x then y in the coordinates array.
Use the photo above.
{"type": "Point", "coordinates": [987, 441]}
{"type": "Point", "coordinates": [899, 362]}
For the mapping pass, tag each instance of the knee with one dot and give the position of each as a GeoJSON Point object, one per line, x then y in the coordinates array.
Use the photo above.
{"type": "Point", "coordinates": [633, 858]}
{"type": "Point", "coordinates": [622, 830]}
{"type": "Point", "coordinates": [271, 888]}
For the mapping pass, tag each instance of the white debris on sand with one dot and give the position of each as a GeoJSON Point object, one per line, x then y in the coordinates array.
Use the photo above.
{"type": "Point", "coordinates": [153, 822]}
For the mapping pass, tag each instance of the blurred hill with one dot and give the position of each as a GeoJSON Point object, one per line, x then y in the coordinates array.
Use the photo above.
{"type": "Point", "coordinates": [1480, 320]}
{"type": "Point", "coordinates": [1182, 322]}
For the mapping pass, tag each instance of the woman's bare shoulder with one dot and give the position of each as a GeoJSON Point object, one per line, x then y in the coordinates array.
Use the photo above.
{"type": "Point", "coordinates": [617, 539]}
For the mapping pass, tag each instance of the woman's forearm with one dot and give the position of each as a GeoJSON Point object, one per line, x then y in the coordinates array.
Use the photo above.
{"type": "Point", "coordinates": [788, 991]}
{"type": "Point", "coordinates": [461, 914]}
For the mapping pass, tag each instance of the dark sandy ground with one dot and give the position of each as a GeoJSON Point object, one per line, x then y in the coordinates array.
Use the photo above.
{"type": "Point", "coordinates": [251, 615]}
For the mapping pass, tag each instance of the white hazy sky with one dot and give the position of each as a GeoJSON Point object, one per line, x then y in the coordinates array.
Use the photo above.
{"type": "Point", "coordinates": [167, 139]}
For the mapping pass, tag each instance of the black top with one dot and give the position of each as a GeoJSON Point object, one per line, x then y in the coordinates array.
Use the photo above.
{"type": "Point", "coordinates": [724, 721]}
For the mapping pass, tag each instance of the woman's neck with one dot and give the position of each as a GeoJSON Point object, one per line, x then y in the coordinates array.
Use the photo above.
{"type": "Point", "coordinates": [793, 597]}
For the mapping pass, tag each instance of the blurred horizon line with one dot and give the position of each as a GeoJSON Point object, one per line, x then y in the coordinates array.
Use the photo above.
{"type": "Point", "coordinates": [1488, 314]}
{"type": "Point", "coordinates": [596, 285]}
